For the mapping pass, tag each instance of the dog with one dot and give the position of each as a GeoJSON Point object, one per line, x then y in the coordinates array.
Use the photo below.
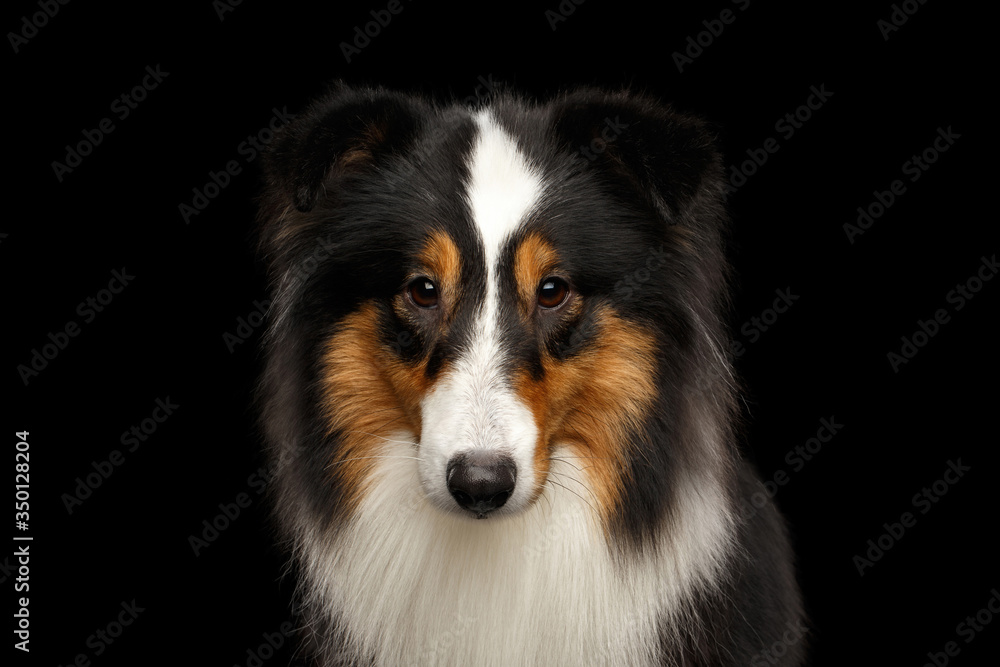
{"type": "Point", "coordinates": [497, 395]}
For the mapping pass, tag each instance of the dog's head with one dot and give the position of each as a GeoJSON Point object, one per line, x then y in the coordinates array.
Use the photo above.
{"type": "Point", "coordinates": [486, 290]}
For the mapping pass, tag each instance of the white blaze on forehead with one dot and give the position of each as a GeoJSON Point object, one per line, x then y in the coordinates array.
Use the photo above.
{"type": "Point", "coordinates": [503, 187]}
{"type": "Point", "coordinates": [474, 406]}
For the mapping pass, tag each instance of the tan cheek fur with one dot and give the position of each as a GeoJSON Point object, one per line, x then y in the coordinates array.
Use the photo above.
{"type": "Point", "coordinates": [368, 393]}
{"type": "Point", "coordinates": [591, 400]}
{"type": "Point", "coordinates": [588, 401]}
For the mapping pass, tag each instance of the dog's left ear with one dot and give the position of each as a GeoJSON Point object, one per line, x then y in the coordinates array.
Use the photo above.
{"type": "Point", "coordinates": [666, 157]}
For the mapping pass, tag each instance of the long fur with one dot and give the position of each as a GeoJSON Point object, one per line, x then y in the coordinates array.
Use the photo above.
{"type": "Point", "coordinates": [625, 540]}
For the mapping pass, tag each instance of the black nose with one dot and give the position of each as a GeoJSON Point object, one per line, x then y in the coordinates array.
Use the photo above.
{"type": "Point", "coordinates": [481, 481]}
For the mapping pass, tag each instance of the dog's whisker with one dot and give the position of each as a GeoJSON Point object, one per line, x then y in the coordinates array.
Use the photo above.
{"type": "Point", "coordinates": [557, 458]}
{"type": "Point", "coordinates": [382, 437]}
{"type": "Point", "coordinates": [568, 456]}
{"type": "Point", "coordinates": [365, 458]}
{"type": "Point", "coordinates": [552, 481]}
{"type": "Point", "coordinates": [574, 479]}
{"type": "Point", "coordinates": [564, 475]}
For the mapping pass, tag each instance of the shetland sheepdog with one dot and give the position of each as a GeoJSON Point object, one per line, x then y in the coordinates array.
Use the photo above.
{"type": "Point", "coordinates": [497, 396]}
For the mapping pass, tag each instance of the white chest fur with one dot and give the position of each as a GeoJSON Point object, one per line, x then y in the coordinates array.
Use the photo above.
{"type": "Point", "coordinates": [416, 586]}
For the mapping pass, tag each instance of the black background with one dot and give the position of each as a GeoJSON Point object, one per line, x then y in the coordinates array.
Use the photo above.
{"type": "Point", "coordinates": [162, 336]}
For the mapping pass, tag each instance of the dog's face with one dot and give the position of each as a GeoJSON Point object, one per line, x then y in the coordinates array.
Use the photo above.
{"type": "Point", "coordinates": [490, 290]}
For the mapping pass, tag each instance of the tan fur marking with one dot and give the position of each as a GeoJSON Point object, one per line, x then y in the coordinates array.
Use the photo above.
{"type": "Point", "coordinates": [441, 259]}
{"type": "Point", "coordinates": [353, 157]}
{"type": "Point", "coordinates": [534, 260]}
{"type": "Point", "coordinates": [368, 394]}
{"type": "Point", "coordinates": [372, 137]}
{"type": "Point", "coordinates": [590, 401]}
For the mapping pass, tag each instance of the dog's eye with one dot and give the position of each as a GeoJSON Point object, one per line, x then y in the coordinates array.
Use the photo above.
{"type": "Point", "coordinates": [423, 292]}
{"type": "Point", "coordinates": [552, 293]}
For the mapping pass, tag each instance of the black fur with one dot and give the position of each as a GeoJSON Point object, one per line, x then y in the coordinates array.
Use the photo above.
{"type": "Point", "coordinates": [628, 179]}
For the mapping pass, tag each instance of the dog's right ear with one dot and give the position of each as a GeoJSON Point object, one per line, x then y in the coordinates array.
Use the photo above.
{"type": "Point", "coordinates": [344, 130]}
